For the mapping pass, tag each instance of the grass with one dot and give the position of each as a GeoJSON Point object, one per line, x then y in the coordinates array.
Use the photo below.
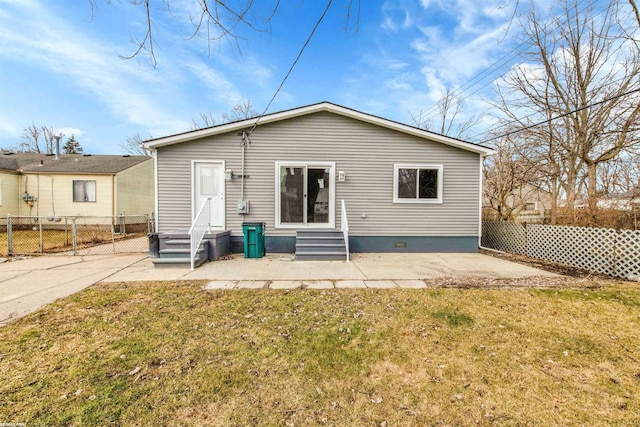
{"type": "Point", "coordinates": [169, 353]}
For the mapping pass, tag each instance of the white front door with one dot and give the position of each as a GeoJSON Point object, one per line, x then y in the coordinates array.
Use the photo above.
{"type": "Point", "coordinates": [208, 181]}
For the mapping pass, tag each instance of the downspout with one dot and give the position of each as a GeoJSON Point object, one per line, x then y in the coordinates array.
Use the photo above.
{"type": "Point", "coordinates": [26, 190]}
{"type": "Point", "coordinates": [53, 203]}
{"type": "Point", "coordinates": [37, 195]}
{"type": "Point", "coordinates": [244, 145]}
{"type": "Point", "coordinates": [113, 195]}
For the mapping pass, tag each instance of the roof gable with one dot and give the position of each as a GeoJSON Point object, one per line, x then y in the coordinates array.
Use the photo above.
{"type": "Point", "coordinates": [311, 109]}
{"type": "Point", "coordinates": [68, 163]}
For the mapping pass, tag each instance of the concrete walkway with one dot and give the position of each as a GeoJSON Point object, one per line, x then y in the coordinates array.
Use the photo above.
{"type": "Point", "coordinates": [28, 284]}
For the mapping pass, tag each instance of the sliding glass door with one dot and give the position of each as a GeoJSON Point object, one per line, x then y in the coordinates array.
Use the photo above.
{"type": "Point", "coordinates": [305, 194]}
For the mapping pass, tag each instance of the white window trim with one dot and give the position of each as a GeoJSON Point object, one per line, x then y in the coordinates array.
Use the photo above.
{"type": "Point", "coordinates": [332, 194]}
{"type": "Point", "coordinates": [398, 166]}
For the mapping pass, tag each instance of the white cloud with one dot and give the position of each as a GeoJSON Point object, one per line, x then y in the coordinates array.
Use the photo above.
{"type": "Point", "coordinates": [222, 89]}
{"type": "Point", "coordinates": [396, 16]}
{"type": "Point", "coordinates": [388, 24]}
{"type": "Point", "coordinates": [130, 91]}
{"type": "Point", "coordinates": [401, 82]}
{"type": "Point", "coordinates": [9, 129]}
{"type": "Point", "coordinates": [68, 131]}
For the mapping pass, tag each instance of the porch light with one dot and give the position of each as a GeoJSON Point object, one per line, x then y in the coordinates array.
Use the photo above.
{"type": "Point", "coordinates": [228, 174]}
{"type": "Point", "coordinates": [342, 176]}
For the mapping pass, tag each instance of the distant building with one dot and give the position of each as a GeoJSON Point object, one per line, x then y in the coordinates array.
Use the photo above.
{"type": "Point", "coordinates": [34, 184]}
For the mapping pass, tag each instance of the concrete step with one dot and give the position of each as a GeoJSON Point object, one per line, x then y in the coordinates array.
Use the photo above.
{"type": "Point", "coordinates": [180, 252]}
{"type": "Point", "coordinates": [320, 245]}
{"type": "Point", "coordinates": [180, 262]}
{"type": "Point", "coordinates": [319, 240]}
{"type": "Point", "coordinates": [327, 244]}
{"type": "Point", "coordinates": [329, 234]}
{"type": "Point", "coordinates": [321, 256]}
{"type": "Point", "coordinates": [178, 242]}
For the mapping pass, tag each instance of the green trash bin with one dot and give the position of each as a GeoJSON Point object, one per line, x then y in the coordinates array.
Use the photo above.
{"type": "Point", "coordinates": [253, 239]}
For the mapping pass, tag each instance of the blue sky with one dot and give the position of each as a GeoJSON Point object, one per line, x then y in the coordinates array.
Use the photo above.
{"type": "Point", "coordinates": [60, 66]}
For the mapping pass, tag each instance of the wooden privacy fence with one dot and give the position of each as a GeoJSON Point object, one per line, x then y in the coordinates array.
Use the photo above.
{"type": "Point", "coordinates": [603, 250]}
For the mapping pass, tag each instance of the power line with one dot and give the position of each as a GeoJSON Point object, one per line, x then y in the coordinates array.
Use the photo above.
{"type": "Point", "coordinates": [521, 119]}
{"type": "Point", "coordinates": [292, 66]}
{"type": "Point", "coordinates": [561, 115]}
{"type": "Point", "coordinates": [503, 60]}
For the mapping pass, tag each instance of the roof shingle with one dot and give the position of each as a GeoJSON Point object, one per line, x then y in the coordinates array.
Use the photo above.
{"type": "Point", "coordinates": [68, 163]}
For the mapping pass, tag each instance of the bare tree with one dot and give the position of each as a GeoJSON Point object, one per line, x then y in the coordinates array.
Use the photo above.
{"type": "Point", "coordinates": [37, 139]}
{"type": "Point", "coordinates": [133, 146]}
{"type": "Point", "coordinates": [444, 120]}
{"type": "Point", "coordinates": [636, 11]}
{"type": "Point", "coordinates": [509, 181]}
{"type": "Point", "coordinates": [218, 20]}
{"type": "Point", "coordinates": [587, 75]}
{"type": "Point", "coordinates": [621, 176]}
{"type": "Point", "coordinates": [241, 111]}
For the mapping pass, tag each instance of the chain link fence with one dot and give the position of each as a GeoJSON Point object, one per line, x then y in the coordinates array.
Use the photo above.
{"type": "Point", "coordinates": [74, 235]}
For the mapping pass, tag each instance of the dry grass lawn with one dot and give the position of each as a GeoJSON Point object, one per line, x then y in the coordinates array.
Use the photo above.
{"type": "Point", "coordinates": [28, 241]}
{"type": "Point", "coordinates": [170, 353]}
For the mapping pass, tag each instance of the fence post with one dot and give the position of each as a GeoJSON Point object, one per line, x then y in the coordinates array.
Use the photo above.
{"type": "Point", "coordinates": [113, 237]}
{"type": "Point", "coordinates": [40, 227]}
{"type": "Point", "coordinates": [614, 256]}
{"type": "Point", "coordinates": [74, 236]}
{"type": "Point", "coordinates": [9, 235]}
{"type": "Point", "coordinates": [123, 228]}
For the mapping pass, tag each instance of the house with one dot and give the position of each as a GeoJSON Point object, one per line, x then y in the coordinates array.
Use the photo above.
{"type": "Point", "coordinates": [524, 204]}
{"type": "Point", "coordinates": [404, 189]}
{"type": "Point", "coordinates": [35, 184]}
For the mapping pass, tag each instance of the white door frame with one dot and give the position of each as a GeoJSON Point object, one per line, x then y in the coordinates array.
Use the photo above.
{"type": "Point", "coordinates": [223, 184]}
{"type": "Point", "coordinates": [332, 193]}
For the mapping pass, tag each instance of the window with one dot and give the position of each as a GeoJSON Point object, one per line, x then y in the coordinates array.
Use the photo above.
{"type": "Point", "coordinates": [417, 183]}
{"type": "Point", "coordinates": [84, 191]}
{"type": "Point", "coordinates": [305, 196]}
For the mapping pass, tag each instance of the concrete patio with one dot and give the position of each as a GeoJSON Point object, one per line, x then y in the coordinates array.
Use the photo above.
{"type": "Point", "coordinates": [28, 284]}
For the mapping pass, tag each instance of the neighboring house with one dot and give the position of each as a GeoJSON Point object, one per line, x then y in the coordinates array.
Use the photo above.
{"type": "Point", "coordinates": [34, 184]}
{"type": "Point", "coordinates": [527, 204]}
{"type": "Point", "coordinates": [405, 189]}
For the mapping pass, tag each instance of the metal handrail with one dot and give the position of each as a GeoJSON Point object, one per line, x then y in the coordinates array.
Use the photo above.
{"type": "Point", "coordinates": [201, 225]}
{"type": "Point", "coordinates": [345, 227]}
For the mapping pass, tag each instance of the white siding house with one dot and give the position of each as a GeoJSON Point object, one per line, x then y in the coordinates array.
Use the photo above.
{"type": "Point", "coordinates": [405, 189]}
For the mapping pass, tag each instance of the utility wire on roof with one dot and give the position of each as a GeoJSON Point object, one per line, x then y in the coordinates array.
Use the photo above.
{"type": "Point", "coordinates": [561, 115]}
{"type": "Point", "coordinates": [292, 66]}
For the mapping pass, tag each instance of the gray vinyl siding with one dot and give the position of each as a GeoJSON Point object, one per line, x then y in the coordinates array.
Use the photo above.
{"type": "Point", "coordinates": [365, 152]}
